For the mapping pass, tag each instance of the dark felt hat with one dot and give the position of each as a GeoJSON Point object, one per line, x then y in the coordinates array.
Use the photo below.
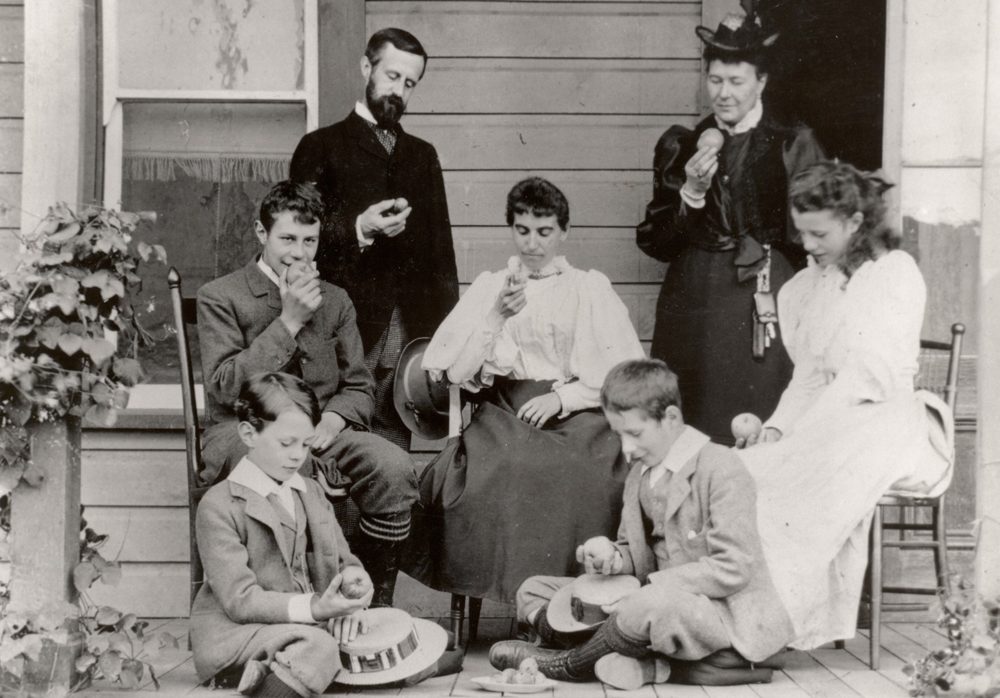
{"type": "Point", "coordinates": [422, 403]}
{"type": "Point", "coordinates": [738, 33]}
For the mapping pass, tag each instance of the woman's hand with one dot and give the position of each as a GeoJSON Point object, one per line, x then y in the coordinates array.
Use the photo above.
{"type": "Point", "coordinates": [346, 628]}
{"type": "Point", "coordinates": [600, 556]}
{"type": "Point", "coordinates": [699, 170]}
{"type": "Point", "coordinates": [511, 299]}
{"type": "Point", "coordinates": [766, 436]}
{"type": "Point", "coordinates": [538, 410]}
{"type": "Point", "coordinates": [333, 604]}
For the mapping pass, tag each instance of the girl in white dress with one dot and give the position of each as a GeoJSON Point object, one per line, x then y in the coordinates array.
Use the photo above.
{"type": "Point", "coordinates": [537, 471]}
{"type": "Point", "coordinates": [849, 427]}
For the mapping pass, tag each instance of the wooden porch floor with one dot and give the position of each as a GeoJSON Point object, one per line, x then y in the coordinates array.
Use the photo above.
{"type": "Point", "coordinates": [829, 673]}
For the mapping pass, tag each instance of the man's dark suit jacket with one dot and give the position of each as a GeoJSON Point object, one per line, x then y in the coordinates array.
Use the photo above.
{"type": "Point", "coordinates": [414, 270]}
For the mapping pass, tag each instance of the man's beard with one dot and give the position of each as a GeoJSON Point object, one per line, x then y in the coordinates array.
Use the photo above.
{"type": "Point", "coordinates": [387, 110]}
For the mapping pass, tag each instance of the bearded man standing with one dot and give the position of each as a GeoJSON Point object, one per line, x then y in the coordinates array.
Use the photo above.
{"type": "Point", "coordinates": [387, 236]}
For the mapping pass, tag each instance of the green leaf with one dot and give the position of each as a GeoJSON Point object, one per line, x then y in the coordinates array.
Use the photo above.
{"type": "Point", "coordinates": [65, 233]}
{"type": "Point", "coordinates": [99, 350]}
{"type": "Point", "coordinates": [110, 664]}
{"type": "Point", "coordinates": [101, 415]}
{"type": "Point", "coordinates": [161, 253]}
{"type": "Point", "coordinates": [119, 642]}
{"type": "Point", "coordinates": [106, 615]}
{"type": "Point", "coordinates": [144, 249]}
{"type": "Point", "coordinates": [70, 343]}
{"type": "Point", "coordinates": [120, 398]}
{"type": "Point", "coordinates": [131, 674]}
{"type": "Point", "coordinates": [128, 371]}
{"type": "Point", "coordinates": [98, 644]}
{"type": "Point", "coordinates": [66, 286]}
{"type": "Point", "coordinates": [84, 575]}
{"type": "Point", "coordinates": [84, 662]}
{"type": "Point", "coordinates": [67, 304]}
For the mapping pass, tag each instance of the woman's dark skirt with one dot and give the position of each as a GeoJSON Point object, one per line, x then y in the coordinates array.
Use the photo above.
{"type": "Point", "coordinates": [506, 500]}
{"type": "Point", "coordinates": [704, 331]}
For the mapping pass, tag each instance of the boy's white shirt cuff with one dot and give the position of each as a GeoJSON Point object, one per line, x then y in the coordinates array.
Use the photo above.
{"type": "Point", "coordinates": [300, 609]}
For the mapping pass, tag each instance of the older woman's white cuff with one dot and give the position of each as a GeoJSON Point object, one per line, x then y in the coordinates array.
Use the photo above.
{"type": "Point", "coordinates": [690, 200]}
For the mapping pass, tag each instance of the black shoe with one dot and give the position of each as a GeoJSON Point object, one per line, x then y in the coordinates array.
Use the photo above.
{"type": "Point", "coordinates": [510, 653]}
{"type": "Point", "coordinates": [380, 558]}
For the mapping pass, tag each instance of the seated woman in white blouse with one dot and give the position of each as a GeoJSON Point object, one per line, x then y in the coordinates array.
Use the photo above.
{"type": "Point", "coordinates": [537, 471]}
{"type": "Point", "coordinates": [849, 426]}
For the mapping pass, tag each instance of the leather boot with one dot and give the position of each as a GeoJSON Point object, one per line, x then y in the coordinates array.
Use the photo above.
{"type": "Point", "coordinates": [380, 558]}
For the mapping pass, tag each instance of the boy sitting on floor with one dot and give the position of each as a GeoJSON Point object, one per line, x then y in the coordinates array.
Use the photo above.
{"type": "Point", "coordinates": [276, 562]}
{"type": "Point", "coordinates": [688, 531]}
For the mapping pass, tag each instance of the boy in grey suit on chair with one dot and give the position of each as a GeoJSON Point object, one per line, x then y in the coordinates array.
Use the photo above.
{"type": "Point", "coordinates": [707, 610]}
{"type": "Point", "coordinates": [275, 314]}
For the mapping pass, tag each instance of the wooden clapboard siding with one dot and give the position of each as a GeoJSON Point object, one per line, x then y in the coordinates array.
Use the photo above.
{"type": "Point", "coordinates": [537, 141]}
{"type": "Point", "coordinates": [11, 89]}
{"type": "Point", "coordinates": [10, 192]}
{"type": "Point", "coordinates": [545, 29]}
{"type": "Point", "coordinates": [597, 198]}
{"type": "Point", "coordinates": [11, 119]}
{"type": "Point", "coordinates": [11, 32]}
{"type": "Point", "coordinates": [558, 86]}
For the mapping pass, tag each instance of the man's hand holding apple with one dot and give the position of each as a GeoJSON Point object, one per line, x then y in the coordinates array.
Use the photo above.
{"type": "Point", "coordinates": [386, 218]}
{"type": "Point", "coordinates": [600, 556]}
{"type": "Point", "coordinates": [300, 295]}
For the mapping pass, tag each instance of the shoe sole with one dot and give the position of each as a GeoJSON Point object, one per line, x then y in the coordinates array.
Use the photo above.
{"type": "Point", "coordinates": [629, 673]}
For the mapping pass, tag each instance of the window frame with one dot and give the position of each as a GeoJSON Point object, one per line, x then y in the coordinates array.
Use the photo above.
{"type": "Point", "coordinates": [167, 396]}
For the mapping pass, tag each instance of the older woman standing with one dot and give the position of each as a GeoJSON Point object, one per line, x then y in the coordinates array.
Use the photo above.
{"type": "Point", "coordinates": [849, 425]}
{"type": "Point", "coordinates": [719, 217]}
{"type": "Point", "coordinates": [537, 471]}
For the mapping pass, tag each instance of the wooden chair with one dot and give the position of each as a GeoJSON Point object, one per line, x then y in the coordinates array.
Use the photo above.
{"type": "Point", "coordinates": [921, 515]}
{"type": "Point", "coordinates": [185, 314]}
{"type": "Point", "coordinates": [455, 426]}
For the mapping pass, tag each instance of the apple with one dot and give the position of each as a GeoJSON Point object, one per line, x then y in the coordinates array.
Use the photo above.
{"type": "Point", "coordinates": [746, 425]}
{"type": "Point", "coordinates": [711, 138]}
{"type": "Point", "coordinates": [528, 665]}
{"type": "Point", "coordinates": [295, 271]}
{"type": "Point", "coordinates": [354, 583]}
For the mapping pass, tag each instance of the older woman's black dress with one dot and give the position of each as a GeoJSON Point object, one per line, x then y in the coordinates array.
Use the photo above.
{"type": "Point", "coordinates": [704, 315]}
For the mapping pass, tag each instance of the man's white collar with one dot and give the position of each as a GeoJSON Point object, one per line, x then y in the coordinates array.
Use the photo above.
{"type": "Point", "coordinates": [362, 110]}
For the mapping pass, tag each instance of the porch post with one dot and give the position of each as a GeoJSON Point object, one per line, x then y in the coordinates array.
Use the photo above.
{"type": "Point", "coordinates": [988, 475]}
{"type": "Point", "coordinates": [46, 520]}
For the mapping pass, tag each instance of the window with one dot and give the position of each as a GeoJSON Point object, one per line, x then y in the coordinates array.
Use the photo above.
{"type": "Point", "coordinates": [203, 105]}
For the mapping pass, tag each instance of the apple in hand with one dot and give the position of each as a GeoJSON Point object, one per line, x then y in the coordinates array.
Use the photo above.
{"type": "Point", "coordinates": [746, 425]}
{"type": "Point", "coordinates": [355, 582]}
{"type": "Point", "coordinates": [711, 138]}
{"type": "Point", "coordinates": [296, 270]}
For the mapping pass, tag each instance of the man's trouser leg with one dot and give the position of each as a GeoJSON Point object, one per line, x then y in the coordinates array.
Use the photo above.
{"type": "Point", "coordinates": [381, 480]}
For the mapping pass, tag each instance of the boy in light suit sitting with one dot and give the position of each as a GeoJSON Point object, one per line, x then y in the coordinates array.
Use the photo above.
{"type": "Point", "coordinates": [276, 562]}
{"type": "Point", "coordinates": [707, 609]}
